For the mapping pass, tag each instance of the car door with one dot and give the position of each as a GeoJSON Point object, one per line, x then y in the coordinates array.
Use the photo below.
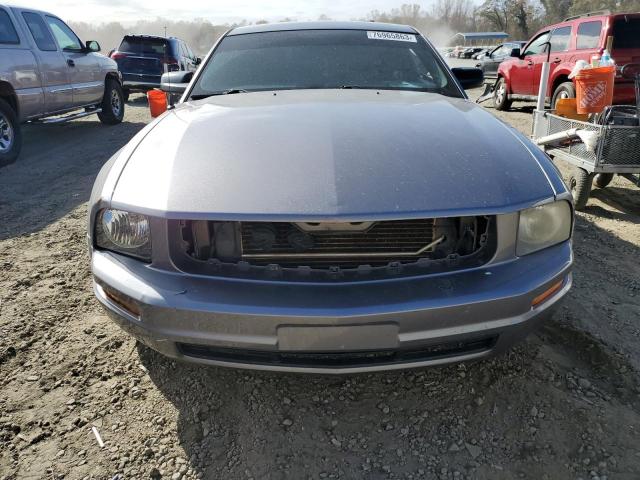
{"type": "Point", "coordinates": [193, 64]}
{"type": "Point", "coordinates": [83, 67]}
{"type": "Point", "coordinates": [495, 58]}
{"type": "Point", "coordinates": [185, 61]}
{"type": "Point", "coordinates": [188, 61]}
{"type": "Point", "coordinates": [19, 66]}
{"type": "Point", "coordinates": [560, 38]}
{"type": "Point", "coordinates": [522, 71]}
{"type": "Point", "coordinates": [56, 85]}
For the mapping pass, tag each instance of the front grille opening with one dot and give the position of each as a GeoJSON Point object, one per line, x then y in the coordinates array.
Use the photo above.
{"type": "Point", "coordinates": [341, 245]}
{"type": "Point", "coordinates": [339, 359]}
{"type": "Point", "coordinates": [336, 250]}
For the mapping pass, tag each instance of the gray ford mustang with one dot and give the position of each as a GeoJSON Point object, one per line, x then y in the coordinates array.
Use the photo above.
{"type": "Point", "coordinates": [309, 205]}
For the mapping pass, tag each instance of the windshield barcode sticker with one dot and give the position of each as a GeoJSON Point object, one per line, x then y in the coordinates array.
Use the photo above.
{"type": "Point", "coordinates": [398, 37]}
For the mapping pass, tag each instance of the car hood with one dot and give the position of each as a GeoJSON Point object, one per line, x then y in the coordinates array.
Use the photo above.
{"type": "Point", "coordinates": [328, 154]}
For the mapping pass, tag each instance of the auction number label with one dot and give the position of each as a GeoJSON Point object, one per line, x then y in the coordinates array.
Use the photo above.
{"type": "Point", "coordinates": [398, 37]}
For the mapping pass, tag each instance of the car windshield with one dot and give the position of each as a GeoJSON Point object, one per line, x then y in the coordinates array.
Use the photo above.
{"type": "Point", "coordinates": [310, 59]}
{"type": "Point", "coordinates": [144, 45]}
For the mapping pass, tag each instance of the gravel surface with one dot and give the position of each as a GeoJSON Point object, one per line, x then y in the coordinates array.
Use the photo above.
{"type": "Point", "coordinates": [565, 404]}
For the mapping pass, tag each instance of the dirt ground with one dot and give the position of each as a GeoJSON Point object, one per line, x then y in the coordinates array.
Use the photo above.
{"type": "Point", "coordinates": [565, 404]}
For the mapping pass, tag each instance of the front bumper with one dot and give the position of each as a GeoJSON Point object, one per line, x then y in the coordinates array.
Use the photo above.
{"type": "Point", "coordinates": [333, 327]}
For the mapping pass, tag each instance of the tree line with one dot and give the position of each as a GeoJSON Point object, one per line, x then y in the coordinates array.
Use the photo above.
{"type": "Point", "coordinates": [519, 18]}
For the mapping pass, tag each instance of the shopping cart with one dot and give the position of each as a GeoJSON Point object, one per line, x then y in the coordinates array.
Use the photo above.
{"type": "Point", "coordinates": [598, 150]}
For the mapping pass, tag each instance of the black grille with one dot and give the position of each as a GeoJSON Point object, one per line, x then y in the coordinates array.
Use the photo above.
{"type": "Point", "coordinates": [338, 359]}
{"type": "Point", "coordinates": [289, 244]}
{"type": "Point", "coordinates": [331, 251]}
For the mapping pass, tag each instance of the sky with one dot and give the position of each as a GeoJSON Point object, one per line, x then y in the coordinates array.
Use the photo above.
{"type": "Point", "coordinates": [216, 11]}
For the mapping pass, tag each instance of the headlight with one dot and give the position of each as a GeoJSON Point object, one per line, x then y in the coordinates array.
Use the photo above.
{"type": "Point", "coordinates": [124, 232]}
{"type": "Point", "coordinates": [543, 226]}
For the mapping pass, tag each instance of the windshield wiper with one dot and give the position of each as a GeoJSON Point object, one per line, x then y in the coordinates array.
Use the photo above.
{"type": "Point", "coordinates": [231, 91]}
{"type": "Point", "coordinates": [410, 89]}
{"type": "Point", "coordinates": [358, 87]}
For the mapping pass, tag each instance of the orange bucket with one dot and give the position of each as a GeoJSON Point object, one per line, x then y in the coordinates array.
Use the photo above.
{"type": "Point", "coordinates": [594, 89]}
{"type": "Point", "coordinates": [567, 107]}
{"type": "Point", "coordinates": [157, 102]}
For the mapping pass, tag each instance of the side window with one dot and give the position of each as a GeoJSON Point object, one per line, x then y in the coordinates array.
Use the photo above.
{"type": "Point", "coordinates": [537, 45]}
{"type": "Point", "coordinates": [498, 52]}
{"type": "Point", "coordinates": [65, 38]}
{"type": "Point", "coordinates": [40, 32]}
{"type": "Point", "coordinates": [8, 32]}
{"type": "Point", "coordinates": [560, 39]}
{"type": "Point", "coordinates": [505, 51]}
{"type": "Point", "coordinates": [589, 35]}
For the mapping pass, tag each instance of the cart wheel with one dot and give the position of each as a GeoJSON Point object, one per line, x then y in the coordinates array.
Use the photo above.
{"type": "Point", "coordinates": [603, 179]}
{"type": "Point", "coordinates": [580, 185]}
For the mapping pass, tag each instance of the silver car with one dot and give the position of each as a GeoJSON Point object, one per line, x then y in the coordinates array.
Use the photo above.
{"type": "Point", "coordinates": [310, 205]}
{"type": "Point", "coordinates": [47, 75]}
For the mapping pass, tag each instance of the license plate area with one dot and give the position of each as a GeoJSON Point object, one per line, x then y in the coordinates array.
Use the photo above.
{"type": "Point", "coordinates": [337, 338]}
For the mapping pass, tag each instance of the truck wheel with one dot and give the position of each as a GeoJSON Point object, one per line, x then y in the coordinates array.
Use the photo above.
{"type": "Point", "coordinates": [501, 96]}
{"type": "Point", "coordinates": [603, 179]}
{"type": "Point", "coordinates": [580, 185]}
{"type": "Point", "coordinates": [112, 103]}
{"type": "Point", "coordinates": [10, 134]}
{"type": "Point", "coordinates": [564, 90]}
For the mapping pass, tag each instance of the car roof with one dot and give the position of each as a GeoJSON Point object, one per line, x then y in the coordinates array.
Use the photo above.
{"type": "Point", "coordinates": [27, 9]}
{"type": "Point", "coordinates": [136, 35]}
{"type": "Point", "coordinates": [328, 25]}
{"type": "Point", "coordinates": [590, 17]}
{"type": "Point", "coordinates": [154, 37]}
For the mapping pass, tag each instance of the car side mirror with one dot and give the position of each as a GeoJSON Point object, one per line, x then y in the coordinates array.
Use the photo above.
{"type": "Point", "coordinates": [175, 82]}
{"type": "Point", "coordinates": [93, 46]}
{"type": "Point", "coordinates": [469, 77]}
{"type": "Point", "coordinates": [515, 52]}
{"type": "Point", "coordinates": [198, 61]}
{"type": "Point", "coordinates": [487, 54]}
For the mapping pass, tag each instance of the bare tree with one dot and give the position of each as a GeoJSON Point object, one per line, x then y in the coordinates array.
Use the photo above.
{"type": "Point", "coordinates": [524, 15]}
{"type": "Point", "coordinates": [556, 10]}
{"type": "Point", "coordinates": [496, 14]}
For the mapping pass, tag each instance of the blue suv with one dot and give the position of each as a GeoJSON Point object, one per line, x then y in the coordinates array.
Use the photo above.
{"type": "Point", "coordinates": [142, 59]}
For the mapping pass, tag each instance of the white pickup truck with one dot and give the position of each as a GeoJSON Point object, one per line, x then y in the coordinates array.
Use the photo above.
{"type": "Point", "coordinates": [48, 75]}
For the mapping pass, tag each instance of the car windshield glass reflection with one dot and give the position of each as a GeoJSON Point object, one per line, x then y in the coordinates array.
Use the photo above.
{"type": "Point", "coordinates": [312, 59]}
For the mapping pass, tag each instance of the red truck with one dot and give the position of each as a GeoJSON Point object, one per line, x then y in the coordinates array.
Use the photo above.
{"type": "Point", "coordinates": [577, 38]}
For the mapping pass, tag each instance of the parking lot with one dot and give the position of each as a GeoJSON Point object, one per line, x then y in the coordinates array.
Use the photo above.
{"type": "Point", "coordinates": [565, 404]}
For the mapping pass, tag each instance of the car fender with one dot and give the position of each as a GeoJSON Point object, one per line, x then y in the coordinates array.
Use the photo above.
{"type": "Point", "coordinates": [559, 75]}
{"type": "Point", "coordinates": [504, 71]}
{"type": "Point", "coordinates": [109, 175]}
{"type": "Point", "coordinates": [109, 68]}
